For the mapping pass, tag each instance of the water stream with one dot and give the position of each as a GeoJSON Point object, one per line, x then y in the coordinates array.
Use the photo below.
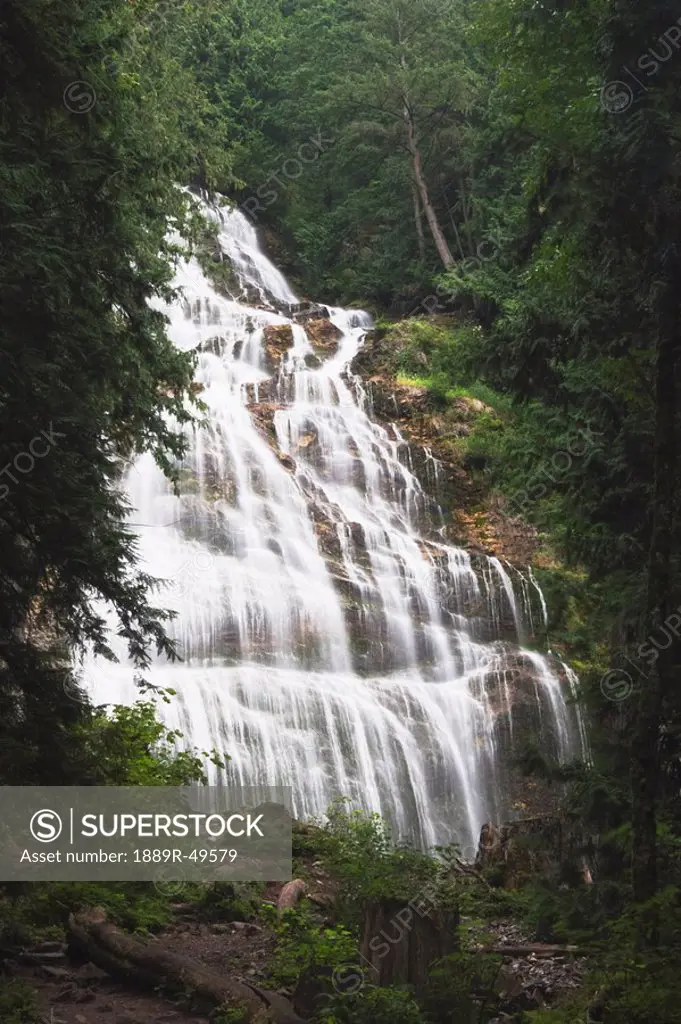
{"type": "Point", "coordinates": [332, 640]}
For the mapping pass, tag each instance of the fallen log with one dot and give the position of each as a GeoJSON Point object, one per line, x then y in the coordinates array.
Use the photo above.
{"type": "Point", "coordinates": [533, 948]}
{"type": "Point", "coordinates": [147, 965]}
{"type": "Point", "coordinates": [291, 894]}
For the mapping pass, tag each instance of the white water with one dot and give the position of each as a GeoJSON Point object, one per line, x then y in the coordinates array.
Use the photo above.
{"type": "Point", "coordinates": [331, 640]}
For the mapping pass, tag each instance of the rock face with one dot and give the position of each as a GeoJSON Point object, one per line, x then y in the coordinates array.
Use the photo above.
{"type": "Point", "coordinates": [323, 334]}
{"type": "Point", "coordinates": [437, 431]}
{"type": "Point", "coordinates": [303, 311]}
{"type": "Point", "coordinates": [278, 340]}
{"type": "Point", "coordinates": [263, 414]}
{"type": "Point", "coordinates": [520, 708]}
{"type": "Point", "coordinates": [321, 331]}
{"type": "Point", "coordinates": [545, 845]}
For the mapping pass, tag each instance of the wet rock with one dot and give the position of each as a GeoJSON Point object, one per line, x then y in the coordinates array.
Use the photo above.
{"type": "Point", "coordinates": [263, 414]}
{"type": "Point", "coordinates": [278, 339]}
{"type": "Point", "coordinates": [286, 461]}
{"type": "Point", "coordinates": [263, 391]}
{"type": "Point", "coordinates": [323, 335]}
{"type": "Point", "coordinates": [304, 311]}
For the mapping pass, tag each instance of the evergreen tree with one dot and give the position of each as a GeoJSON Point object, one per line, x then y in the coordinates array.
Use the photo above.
{"type": "Point", "coordinates": [92, 144]}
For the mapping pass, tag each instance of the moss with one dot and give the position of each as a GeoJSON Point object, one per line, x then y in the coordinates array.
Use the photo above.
{"type": "Point", "coordinates": [217, 268]}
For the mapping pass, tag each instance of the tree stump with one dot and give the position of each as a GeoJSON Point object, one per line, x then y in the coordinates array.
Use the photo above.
{"type": "Point", "coordinates": [401, 942]}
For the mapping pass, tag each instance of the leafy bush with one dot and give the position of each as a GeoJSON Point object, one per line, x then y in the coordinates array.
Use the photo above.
{"type": "Point", "coordinates": [305, 947]}
{"type": "Point", "coordinates": [360, 855]}
{"type": "Point", "coordinates": [130, 746]}
{"type": "Point", "coordinates": [461, 987]}
{"type": "Point", "coordinates": [372, 1006]}
{"type": "Point", "coordinates": [231, 901]}
{"type": "Point", "coordinates": [137, 906]}
{"type": "Point", "coordinates": [18, 1004]}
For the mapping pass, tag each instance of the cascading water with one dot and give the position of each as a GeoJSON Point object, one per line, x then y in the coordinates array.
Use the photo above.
{"type": "Point", "coordinates": [332, 640]}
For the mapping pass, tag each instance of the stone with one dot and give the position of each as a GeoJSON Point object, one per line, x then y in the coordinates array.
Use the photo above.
{"type": "Point", "coordinates": [323, 335]}
{"type": "Point", "coordinates": [278, 339]}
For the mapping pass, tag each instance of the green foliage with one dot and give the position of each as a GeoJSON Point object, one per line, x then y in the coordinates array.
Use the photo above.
{"type": "Point", "coordinates": [360, 855]}
{"type": "Point", "coordinates": [461, 987]}
{"type": "Point", "coordinates": [19, 1004]}
{"type": "Point", "coordinates": [32, 912]}
{"type": "Point", "coordinates": [372, 1005]}
{"type": "Point", "coordinates": [348, 214]}
{"type": "Point", "coordinates": [437, 345]}
{"type": "Point", "coordinates": [304, 947]}
{"type": "Point", "coordinates": [100, 120]}
{"type": "Point", "coordinates": [129, 746]}
{"type": "Point", "coordinates": [231, 901]}
{"type": "Point", "coordinates": [237, 1014]}
{"type": "Point", "coordinates": [123, 746]}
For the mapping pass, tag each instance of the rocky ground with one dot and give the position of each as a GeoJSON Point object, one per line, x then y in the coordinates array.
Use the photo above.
{"type": "Point", "coordinates": [536, 978]}
{"type": "Point", "coordinates": [532, 975]}
{"type": "Point", "coordinates": [72, 993]}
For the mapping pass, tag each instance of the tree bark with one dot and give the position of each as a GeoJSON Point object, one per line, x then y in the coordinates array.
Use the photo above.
{"type": "Point", "coordinates": [149, 965]}
{"type": "Point", "coordinates": [417, 170]}
{"type": "Point", "coordinates": [418, 221]}
{"type": "Point", "coordinates": [645, 769]}
{"type": "Point", "coordinates": [400, 944]}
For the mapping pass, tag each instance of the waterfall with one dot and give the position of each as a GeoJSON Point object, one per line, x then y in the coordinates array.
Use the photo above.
{"type": "Point", "coordinates": [331, 639]}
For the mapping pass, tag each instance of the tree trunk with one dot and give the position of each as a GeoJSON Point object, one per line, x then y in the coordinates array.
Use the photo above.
{"type": "Point", "coordinates": [645, 753]}
{"type": "Point", "coordinates": [149, 965]}
{"type": "Point", "coordinates": [399, 944]}
{"type": "Point", "coordinates": [419, 223]}
{"type": "Point", "coordinates": [431, 216]}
